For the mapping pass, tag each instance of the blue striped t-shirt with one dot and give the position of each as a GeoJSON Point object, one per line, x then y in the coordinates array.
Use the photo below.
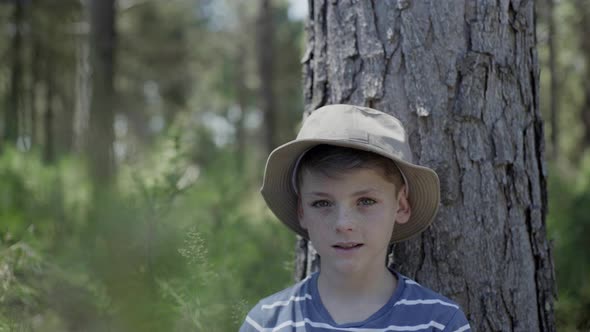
{"type": "Point", "coordinates": [412, 307]}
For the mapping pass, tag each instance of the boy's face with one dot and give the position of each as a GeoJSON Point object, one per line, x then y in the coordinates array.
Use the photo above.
{"type": "Point", "coordinates": [350, 218]}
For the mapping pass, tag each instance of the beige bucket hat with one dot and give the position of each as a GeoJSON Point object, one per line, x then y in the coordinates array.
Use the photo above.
{"type": "Point", "coordinates": [359, 128]}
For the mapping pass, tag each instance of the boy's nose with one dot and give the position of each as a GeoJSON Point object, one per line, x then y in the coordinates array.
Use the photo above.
{"type": "Point", "coordinates": [345, 220]}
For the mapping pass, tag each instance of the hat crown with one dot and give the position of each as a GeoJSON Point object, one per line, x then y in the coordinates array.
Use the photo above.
{"type": "Point", "coordinates": [358, 124]}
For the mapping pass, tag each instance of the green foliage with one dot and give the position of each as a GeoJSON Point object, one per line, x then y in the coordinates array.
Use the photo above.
{"type": "Point", "coordinates": [173, 247]}
{"type": "Point", "coordinates": [181, 240]}
{"type": "Point", "coordinates": [572, 67]}
{"type": "Point", "coordinates": [569, 179]}
{"type": "Point", "coordinates": [569, 227]}
{"type": "Point", "coordinates": [20, 266]}
{"type": "Point", "coordinates": [235, 252]}
{"type": "Point", "coordinates": [32, 193]}
{"type": "Point", "coordinates": [37, 221]}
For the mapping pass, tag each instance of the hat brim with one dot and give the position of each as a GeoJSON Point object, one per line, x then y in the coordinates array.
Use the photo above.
{"type": "Point", "coordinates": [280, 196]}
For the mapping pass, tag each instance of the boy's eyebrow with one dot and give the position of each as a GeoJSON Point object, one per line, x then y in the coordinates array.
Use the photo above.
{"type": "Point", "coordinates": [358, 193]}
{"type": "Point", "coordinates": [365, 191]}
{"type": "Point", "coordinates": [315, 193]}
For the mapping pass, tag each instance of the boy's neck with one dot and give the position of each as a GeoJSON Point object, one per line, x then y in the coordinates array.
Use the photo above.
{"type": "Point", "coordinates": [353, 298]}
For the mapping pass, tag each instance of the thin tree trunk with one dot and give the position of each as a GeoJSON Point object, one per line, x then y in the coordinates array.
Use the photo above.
{"type": "Point", "coordinates": [66, 120]}
{"type": "Point", "coordinates": [11, 120]}
{"type": "Point", "coordinates": [48, 123]}
{"type": "Point", "coordinates": [241, 95]}
{"type": "Point", "coordinates": [35, 78]}
{"type": "Point", "coordinates": [102, 51]}
{"type": "Point", "coordinates": [83, 86]}
{"type": "Point", "coordinates": [463, 76]}
{"type": "Point", "coordinates": [265, 43]}
{"type": "Point", "coordinates": [27, 94]}
{"type": "Point", "coordinates": [583, 10]}
{"type": "Point", "coordinates": [554, 79]}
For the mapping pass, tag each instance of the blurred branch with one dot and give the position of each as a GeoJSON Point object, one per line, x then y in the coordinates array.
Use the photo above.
{"type": "Point", "coordinates": [13, 2]}
{"type": "Point", "coordinates": [124, 5]}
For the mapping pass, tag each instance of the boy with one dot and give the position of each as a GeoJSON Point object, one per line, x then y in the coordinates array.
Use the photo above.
{"type": "Point", "coordinates": [347, 184]}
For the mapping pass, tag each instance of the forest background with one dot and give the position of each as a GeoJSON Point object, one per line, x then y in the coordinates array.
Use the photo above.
{"type": "Point", "coordinates": [166, 231]}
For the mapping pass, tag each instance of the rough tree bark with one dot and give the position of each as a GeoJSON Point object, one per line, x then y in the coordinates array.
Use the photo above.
{"type": "Point", "coordinates": [463, 76]}
{"type": "Point", "coordinates": [102, 59]}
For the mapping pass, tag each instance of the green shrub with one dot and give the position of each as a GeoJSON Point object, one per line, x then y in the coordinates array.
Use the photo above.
{"type": "Point", "coordinates": [171, 247]}
{"type": "Point", "coordinates": [569, 228]}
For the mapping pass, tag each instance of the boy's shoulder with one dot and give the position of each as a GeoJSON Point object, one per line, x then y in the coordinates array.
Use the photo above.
{"type": "Point", "coordinates": [417, 302]}
{"type": "Point", "coordinates": [270, 310]}
{"type": "Point", "coordinates": [296, 293]}
{"type": "Point", "coordinates": [417, 291]}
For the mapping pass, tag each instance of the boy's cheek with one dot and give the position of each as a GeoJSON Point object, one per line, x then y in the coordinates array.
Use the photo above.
{"type": "Point", "coordinates": [301, 215]}
{"type": "Point", "coordinates": [299, 209]}
{"type": "Point", "coordinates": [302, 223]}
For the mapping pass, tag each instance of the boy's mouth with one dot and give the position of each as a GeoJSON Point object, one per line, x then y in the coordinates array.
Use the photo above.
{"type": "Point", "coordinates": [347, 245]}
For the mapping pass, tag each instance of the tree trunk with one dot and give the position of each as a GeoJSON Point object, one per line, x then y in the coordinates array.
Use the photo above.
{"type": "Point", "coordinates": [83, 85]}
{"type": "Point", "coordinates": [241, 97]}
{"type": "Point", "coordinates": [11, 120]}
{"type": "Point", "coordinates": [265, 38]}
{"type": "Point", "coordinates": [583, 11]}
{"type": "Point", "coordinates": [66, 97]}
{"type": "Point", "coordinates": [102, 51]}
{"type": "Point", "coordinates": [463, 76]}
{"type": "Point", "coordinates": [550, 16]}
{"type": "Point", "coordinates": [35, 78]}
{"type": "Point", "coordinates": [48, 123]}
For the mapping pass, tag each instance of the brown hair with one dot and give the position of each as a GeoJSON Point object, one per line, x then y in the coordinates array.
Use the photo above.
{"type": "Point", "coordinates": [331, 161]}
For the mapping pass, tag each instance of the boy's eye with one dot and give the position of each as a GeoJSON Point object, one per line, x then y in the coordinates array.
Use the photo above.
{"type": "Point", "coordinates": [321, 203]}
{"type": "Point", "coordinates": [367, 201]}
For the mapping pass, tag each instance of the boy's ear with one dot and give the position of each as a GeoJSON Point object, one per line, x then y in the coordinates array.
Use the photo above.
{"type": "Point", "coordinates": [300, 213]}
{"type": "Point", "coordinates": [404, 210]}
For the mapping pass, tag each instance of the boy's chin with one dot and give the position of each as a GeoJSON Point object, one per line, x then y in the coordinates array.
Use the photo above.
{"type": "Point", "coordinates": [346, 267]}
{"type": "Point", "coordinates": [353, 264]}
